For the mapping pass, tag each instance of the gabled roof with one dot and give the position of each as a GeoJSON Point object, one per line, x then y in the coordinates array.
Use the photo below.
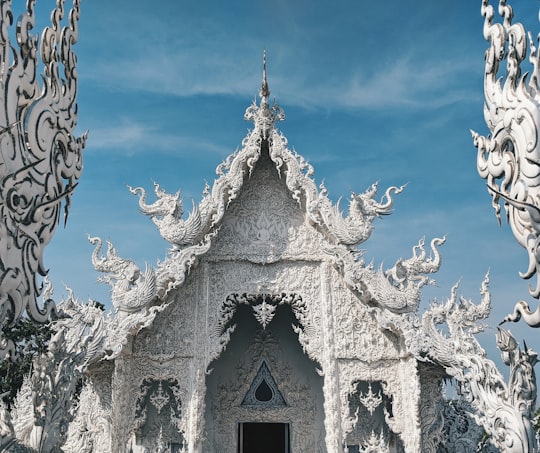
{"type": "Point", "coordinates": [396, 289]}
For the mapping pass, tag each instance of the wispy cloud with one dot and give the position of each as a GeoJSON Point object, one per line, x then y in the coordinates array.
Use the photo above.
{"type": "Point", "coordinates": [130, 137]}
{"type": "Point", "coordinates": [407, 82]}
{"type": "Point", "coordinates": [127, 135]}
{"type": "Point", "coordinates": [415, 77]}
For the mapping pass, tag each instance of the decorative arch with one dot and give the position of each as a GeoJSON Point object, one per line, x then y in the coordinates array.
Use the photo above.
{"type": "Point", "coordinates": [270, 356]}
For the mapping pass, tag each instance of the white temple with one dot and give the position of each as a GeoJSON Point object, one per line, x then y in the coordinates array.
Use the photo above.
{"type": "Point", "coordinates": [263, 330]}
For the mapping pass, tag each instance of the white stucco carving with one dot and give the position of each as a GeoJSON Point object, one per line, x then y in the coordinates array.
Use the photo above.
{"type": "Point", "coordinates": [167, 213]}
{"type": "Point", "coordinates": [508, 159]}
{"type": "Point", "coordinates": [41, 157]}
{"type": "Point", "coordinates": [131, 289]}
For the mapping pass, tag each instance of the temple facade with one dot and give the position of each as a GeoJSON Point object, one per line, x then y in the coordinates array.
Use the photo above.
{"type": "Point", "coordinates": [263, 330]}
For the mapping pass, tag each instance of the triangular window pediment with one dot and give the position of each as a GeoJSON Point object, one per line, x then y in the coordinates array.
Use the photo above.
{"type": "Point", "coordinates": [264, 391]}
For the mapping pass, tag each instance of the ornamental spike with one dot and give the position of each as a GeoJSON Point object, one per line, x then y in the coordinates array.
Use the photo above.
{"type": "Point", "coordinates": [265, 91]}
{"type": "Point", "coordinates": [262, 115]}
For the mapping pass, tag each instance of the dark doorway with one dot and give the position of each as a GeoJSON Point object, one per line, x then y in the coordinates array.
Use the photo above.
{"type": "Point", "coordinates": [263, 438]}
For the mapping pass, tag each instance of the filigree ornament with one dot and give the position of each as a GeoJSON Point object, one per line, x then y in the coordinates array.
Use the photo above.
{"type": "Point", "coordinates": [193, 236]}
{"type": "Point", "coordinates": [159, 399]}
{"type": "Point", "coordinates": [262, 115]}
{"type": "Point", "coordinates": [509, 158]}
{"type": "Point", "coordinates": [40, 158]}
{"type": "Point", "coordinates": [44, 408]}
{"type": "Point", "coordinates": [461, 432]}
{"type": "Point", "coordinates": [369, 400]}
{"type": "Point", "coordinates": [264, 312]}
{"type": "Point", "coordinates": [375, 444]}
{"type": "Point", "coordinates": [90, 430]}
{"type": "Point", "coordinates": [270, 397]}
{"type": "Point", "coordinates": [132, 290]}
{"type": "Point", "coordinates": [263, 305]}
{"type": "Point", "coordinates": [152, 397]}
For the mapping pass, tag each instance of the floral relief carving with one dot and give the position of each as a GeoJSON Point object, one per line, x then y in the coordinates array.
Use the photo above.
{"type": "Point", "coordinates": [172, 331]}
{"type": "Point", "coordinates": [370, 400]}
{"type": "Point", "coordinates": [432, 422]}
{"type": "Point", "coordinates": [265, 226]}
{"type": "Point", "coordinates": [90, 432]}
{"type": "Point", "coordinates": [158, 415]}
{"type": "Point", "coordinates": [400, 416]}
{"type": "Point", "coordinates": [135, 381]}
{"type": "Point", "coordinates": [263, 305]}
{"type": "Point", "coordinates": [356, 325]}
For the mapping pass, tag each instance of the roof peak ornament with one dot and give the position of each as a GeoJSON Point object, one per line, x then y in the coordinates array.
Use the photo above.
{"type": "Point", "coordinates": [263, 116]}
{"type": "Point", "coordinates": [265, 91]}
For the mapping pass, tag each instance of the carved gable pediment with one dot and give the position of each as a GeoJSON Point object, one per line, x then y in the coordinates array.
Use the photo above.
{"type": "Point", "coordinates": [265, 224]}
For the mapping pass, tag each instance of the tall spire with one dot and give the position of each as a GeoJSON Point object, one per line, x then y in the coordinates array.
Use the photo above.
{"type": "Point", "coordinates": [262, 115]}
{"type": "Point", "coordinates": [265, 91]}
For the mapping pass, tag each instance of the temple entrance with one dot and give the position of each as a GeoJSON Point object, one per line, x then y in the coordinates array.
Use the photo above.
{"type": "Point", "coordinates": [263, 438]}
{"type": "Point", "coordinates": [262, 383]}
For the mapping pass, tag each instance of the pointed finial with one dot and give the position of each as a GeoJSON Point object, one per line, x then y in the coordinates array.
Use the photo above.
{"type": "Point", "coordinates": [265, 91]}
{"type": "Point", "coordinates": [263, 115]}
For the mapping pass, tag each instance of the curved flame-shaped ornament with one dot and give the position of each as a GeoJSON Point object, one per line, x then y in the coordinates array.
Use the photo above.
{"type": "Point", "coordinates": [40, 158]}
{"type": "Point", "coordinates": [509, 158]}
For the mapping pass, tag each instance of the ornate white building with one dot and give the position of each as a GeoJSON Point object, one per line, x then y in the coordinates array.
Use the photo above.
{"type": "Point", "coordinates": [263, 330]}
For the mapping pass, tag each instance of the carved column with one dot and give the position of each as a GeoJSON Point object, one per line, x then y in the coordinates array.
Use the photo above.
{"type": "Point", "coordinates": [195, 428]}
{"type": "Point", "coordinates": [121, 412]}
{"type": "Point", "coordinates": [431, 408]}
{"type": "Point", "coordinates": [410, 396]}
{"type": "Point", "coordinates": [332, 421]}
{"type": "Point", "coordinates": [196, 423]}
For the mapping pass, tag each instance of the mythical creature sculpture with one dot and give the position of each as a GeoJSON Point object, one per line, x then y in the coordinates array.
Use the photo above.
{"type": "Point", "coordinates": [509, 159]}
{"type": "Point", "coordinates": [415, 269]}
{"type": "Point", "coordinates": [132, 294]}
{"type": "Point", "coordinates": [503, 409]}
{"type": "Point", "coordinates": [356, 227]}
{"type": "Point", "coordinates": [43, 409]}
{"type": "Point", "coordinates": [166, 213]}
{"type": "Point", "coordinates": [131, 290]}
{"type": "Point", "coordinates": [399, 288]}
{"type": "Point", "coordinates": [41, 159]}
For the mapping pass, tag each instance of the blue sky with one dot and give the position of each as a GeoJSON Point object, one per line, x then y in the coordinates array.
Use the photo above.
{"type": "Point", "coordinates": [384, 90]}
